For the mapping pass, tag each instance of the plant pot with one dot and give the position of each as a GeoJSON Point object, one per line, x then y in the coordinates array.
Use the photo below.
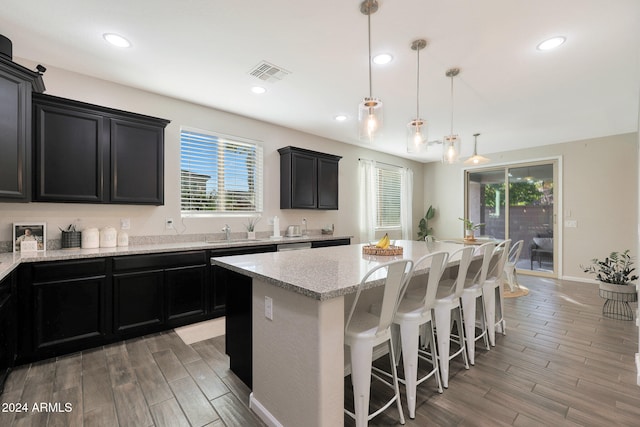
{"type": "Point", "coordinates": [469, 235]}
{"type": "Point", "coordinates": [617, 301]}
{"type": "Point", "coordinates": [251, 235]}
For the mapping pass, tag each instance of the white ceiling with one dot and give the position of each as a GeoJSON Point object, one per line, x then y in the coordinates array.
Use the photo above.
{"type": "Point", "coordinates": [512, 94]}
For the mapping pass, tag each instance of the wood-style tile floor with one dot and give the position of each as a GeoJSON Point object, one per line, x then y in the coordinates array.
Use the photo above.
{"type": "Point", "coordinates": [561, 363]}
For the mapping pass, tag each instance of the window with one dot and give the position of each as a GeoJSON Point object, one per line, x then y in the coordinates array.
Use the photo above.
{"type": "Point", "coordinates": [386, 194]}
{"type": "Point", "coordinates": [219, 174]}
{"type": "Point", "coordinates": [388, 183]}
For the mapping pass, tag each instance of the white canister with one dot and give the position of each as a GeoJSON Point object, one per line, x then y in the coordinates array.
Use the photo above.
{"type": "Point", "coordinates": [123, 238]}
{"type": "Point", "coordinates": [90, 238]}
{"type": "Point", "coordinates": [108, 237]}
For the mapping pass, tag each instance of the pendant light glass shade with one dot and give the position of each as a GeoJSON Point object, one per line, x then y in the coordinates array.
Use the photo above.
{"type": "Point", "coordinates": [369, 118]}
{"type": "Point", "coordinates": [370, 109]}
{"type": "Point", "coordinates": [476, 159]}
{"type": "Point", "coordinates": [417, 128]}
{"type": "Point", "coordinates": [451, 142]}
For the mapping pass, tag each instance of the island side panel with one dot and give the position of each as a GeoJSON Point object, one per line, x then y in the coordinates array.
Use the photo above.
{"type": "Point", "coordinates": [298, 358]}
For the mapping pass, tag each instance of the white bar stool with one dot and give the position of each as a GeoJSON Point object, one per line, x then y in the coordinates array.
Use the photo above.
{"type": "Point", "coordinates": [413, 314]}
{"type": "Point", "coordinates": [492, 292]}
{"type": "Point", "coordinates": [365, 330]}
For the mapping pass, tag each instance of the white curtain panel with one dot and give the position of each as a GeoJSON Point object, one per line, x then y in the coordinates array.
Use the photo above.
{"type": "Point", "coordinates": [367, 183]}
{"type": "Point", "coordinates": [406, 203]}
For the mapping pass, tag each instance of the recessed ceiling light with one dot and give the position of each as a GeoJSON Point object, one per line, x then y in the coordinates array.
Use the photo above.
{"type": "Point", "coordinates": [383, 58]}
{"type": "Point", "coordinates": [340, 118]}
{"type": "Point", "coordinates": [258, 89]}
{"type": "Point", "coordinates": [116, 40]}
{"type": "Point", "coordinates": [551, 43]}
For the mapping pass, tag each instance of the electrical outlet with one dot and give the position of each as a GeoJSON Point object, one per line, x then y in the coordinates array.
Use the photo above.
{"type": "Point", "coordinates": [168, 224]}
{"type": "Point", "coordinates": [125, 223]}
{"type": "Point", "coordinates": [268, 308]}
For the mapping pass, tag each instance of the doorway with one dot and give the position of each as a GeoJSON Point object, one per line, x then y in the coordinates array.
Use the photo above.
{"type": "Point", "coordinates": [517, 202]}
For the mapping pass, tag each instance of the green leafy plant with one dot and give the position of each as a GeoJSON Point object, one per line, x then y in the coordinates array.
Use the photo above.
{"type": "Point", "coordinates": [616, 268]}
{"type": "Point", "coordinates": [251, 223]}
{"type": "Point", "coordinates": [469, 225]}
{"type": "Point", "coordinates": [423, 225]}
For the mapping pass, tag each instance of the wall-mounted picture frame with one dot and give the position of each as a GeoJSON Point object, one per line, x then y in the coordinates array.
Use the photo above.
{"type": "Point", "coordinates": [29, 236]}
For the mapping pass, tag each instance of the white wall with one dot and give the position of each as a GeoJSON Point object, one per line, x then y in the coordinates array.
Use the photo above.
{"type": "Point", "coordinates": [149, 220]}
{"type": "Point", "coordinates": [600, 189]}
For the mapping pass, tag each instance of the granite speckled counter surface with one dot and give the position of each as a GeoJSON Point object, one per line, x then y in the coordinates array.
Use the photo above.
{"type": "Point", "coordinates": [9, 261]}
{"type": "Point", "coordinates": [324, 273]}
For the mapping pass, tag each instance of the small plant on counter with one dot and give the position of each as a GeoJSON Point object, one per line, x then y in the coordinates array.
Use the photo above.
{"type": "Point", "coordinates": [616, 268]}
{"type": "Point", "coordinates": [251, 223]}
{"type": "Point", "coordinates": [469, 225]}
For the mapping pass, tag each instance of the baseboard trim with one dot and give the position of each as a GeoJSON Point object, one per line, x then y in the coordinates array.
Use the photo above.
{"type": "Point", "coordinates": [262, 412]}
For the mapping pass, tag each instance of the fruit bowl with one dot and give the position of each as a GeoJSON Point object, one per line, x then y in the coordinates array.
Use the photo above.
{"type": "Point", "coordinates": [389, 251]}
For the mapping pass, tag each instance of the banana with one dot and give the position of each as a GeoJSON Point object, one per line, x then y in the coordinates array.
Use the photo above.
{"type": "Point", "coordinates": [384, 242]}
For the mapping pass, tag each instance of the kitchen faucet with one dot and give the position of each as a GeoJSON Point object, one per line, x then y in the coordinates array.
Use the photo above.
{"type": "Point", "coordinates": [227, 232]}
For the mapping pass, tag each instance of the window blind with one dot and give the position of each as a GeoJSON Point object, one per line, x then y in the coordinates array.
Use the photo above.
{"type": "Point", "coordinates": [219, 174]}
{"type": "Point", "coordinates": [389, 186]}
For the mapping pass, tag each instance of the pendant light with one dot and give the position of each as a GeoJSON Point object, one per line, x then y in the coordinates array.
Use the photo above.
{"type": "Point", "coordinates": [370, 109]}
{"type": "Point", "coordinates": [417, 128]}
{"type": "Point", "coordinates": [451, 142]}
{"type": "Point", "coordinates": [476, 159]}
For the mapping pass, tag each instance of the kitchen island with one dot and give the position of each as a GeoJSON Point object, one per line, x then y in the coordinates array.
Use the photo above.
{"type": "Point", "coordinates": [298, 310]}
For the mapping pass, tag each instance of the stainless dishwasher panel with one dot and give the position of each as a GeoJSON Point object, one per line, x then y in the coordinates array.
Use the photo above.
{"type": "Point", "coordinates": [293, 246]}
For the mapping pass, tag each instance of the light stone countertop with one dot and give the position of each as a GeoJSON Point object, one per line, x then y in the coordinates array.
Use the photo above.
{"type": "Point", "coordinates": [324, 273]}
{"type": "Point", "coordinates": [9, 261]}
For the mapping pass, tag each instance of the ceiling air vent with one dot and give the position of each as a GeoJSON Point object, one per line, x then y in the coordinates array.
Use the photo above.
{"type": "Point", "coordinates": [268, 72]}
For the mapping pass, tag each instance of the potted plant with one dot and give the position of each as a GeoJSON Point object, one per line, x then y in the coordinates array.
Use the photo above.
{"type": "Point", "coordinates": [470, 228]}
{"type": "Point", "coordinates": [615, 276]}
{"type": "Point", "coordinates": [251, 227]}
{"type": "Point", "coordinates": [423, 225]}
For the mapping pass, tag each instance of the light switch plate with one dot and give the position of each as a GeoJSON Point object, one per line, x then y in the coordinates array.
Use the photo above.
{"type": "Point", "coordinates": [125, 223]}
{"type": "Point", "coordinates": [570, 223]}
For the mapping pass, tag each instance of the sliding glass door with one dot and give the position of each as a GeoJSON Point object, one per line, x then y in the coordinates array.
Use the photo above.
{"type": "Point", "coordinates": [517, 202]}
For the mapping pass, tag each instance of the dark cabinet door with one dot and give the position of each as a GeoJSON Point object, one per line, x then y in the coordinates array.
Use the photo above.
{"type": "Point", "coordinates": [8, 328]}
{"type": "Point", "coordinates": [304, 176]}
{"type": "Point", "coordinates": [137, 163]}
{"type": "Point", "coordinates": [219, 291]}
{"type": "Point", "coordinates": [239, 329]}
{"type": "Point", "coordinates": [68, 314]}
{"type": "Point", "coordinates": [327, 183]}
{"type": "Point", "coordinates": [70, 146]}
{"type": "Point", "coordinates": [16, 85]}
{"type": "Point", "coordinates": [138, 302]}
{"type": "Point", "coordinates": [186, 294]}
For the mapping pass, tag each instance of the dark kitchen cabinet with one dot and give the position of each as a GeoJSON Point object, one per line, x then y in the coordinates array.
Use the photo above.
{"type": "Point", "coordinates": [16, 86]}
{"type": "Point", "coordinates": [8, 328]}
{"type": "Point", "coordinates": [156, 291]}
{"type": "Point", "coordinates": [308, 179]}
{"type": "Point", "coordinates": [328, 243]}
{"type": "Point", "coordinates": [92, 154]}
{"type": "Point", "coordinates": [64, 307]}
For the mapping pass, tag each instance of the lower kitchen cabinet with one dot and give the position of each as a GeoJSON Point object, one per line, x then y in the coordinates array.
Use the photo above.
{"type": "Point", "coordinates": [138, 303]}
{"type": "Point", "coordinates": [63, 307]}
{"type": "Point", "coordinates": [186, 290]}
{"type": "Point", "coordinates": [158, 291]}
{"type": "Point", "coordinates": [8, 330]}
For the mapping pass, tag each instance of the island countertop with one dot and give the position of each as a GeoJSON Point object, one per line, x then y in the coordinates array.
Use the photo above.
{"type": "Point", "coordinates": [323, 273]}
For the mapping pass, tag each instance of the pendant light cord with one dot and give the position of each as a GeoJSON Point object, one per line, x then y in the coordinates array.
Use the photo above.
{"type": "Point", "coordinates": [418, 87]}
{"type": "Point", "coordinates": [451, 133]}
{"type": "Point", "coordinates": [369, 35]}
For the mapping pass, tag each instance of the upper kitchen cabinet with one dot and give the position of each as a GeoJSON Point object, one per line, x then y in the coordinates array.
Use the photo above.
{"type": "Point", "coordinates": [16, 86]}
{"type": "Point", "coordinates": [308, 179]}
{"type": "Point", "coordinates": [92, 154]}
